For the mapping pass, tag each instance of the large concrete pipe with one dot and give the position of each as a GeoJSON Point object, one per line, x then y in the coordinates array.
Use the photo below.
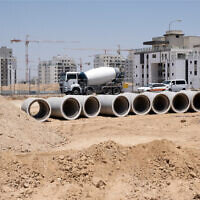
{"type": "Point", "coordinates": [90, 105]}
{"type": "Point", "coordinates": [117, 105]}
{"type": "Point", "coordinates": [179, 101]}
{"type": "Point", "coordinates": [140, 103]}
{"type": "Point", "coordinates": [194, 97]}
{"type": "Point", "coordinates": [67, 107]}
{"type": "Point", "coordinates": [37, 108]}
{"type": "Point", "coordinates": [160, 103]}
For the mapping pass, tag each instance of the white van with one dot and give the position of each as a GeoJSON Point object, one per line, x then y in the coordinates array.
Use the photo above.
{"type": "Point", "coordinates": [176, 85]}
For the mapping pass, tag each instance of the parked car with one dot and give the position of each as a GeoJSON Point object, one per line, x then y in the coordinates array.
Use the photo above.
{"type": "Point", "coordinates": [176, 85]}
{"type": "Point", "coordinates": [153, 87]}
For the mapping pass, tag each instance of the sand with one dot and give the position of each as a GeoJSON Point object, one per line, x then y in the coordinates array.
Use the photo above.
{"type": "Point", "coordinates": [19, 132]}
{"type": "Point", "coordinates": [152, 157]}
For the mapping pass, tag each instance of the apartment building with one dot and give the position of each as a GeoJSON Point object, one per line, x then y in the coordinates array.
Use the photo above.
{"type": "Point", "coordinates": [8, 67]}
{"type": "Point", "coordinates": [106, 60]}
{"type": "Point", "coordinates": [49, 71]}
{"type": "Point", "coordinates": [172, 56]}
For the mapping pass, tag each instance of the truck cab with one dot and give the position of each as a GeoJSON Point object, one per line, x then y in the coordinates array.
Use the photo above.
{"type": "Point", "coordinates": [69, 83]}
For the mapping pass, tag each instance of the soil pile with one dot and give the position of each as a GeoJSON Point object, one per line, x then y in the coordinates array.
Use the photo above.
{"type": "Point", "coordinates": [19, 132]}
{"type": "Point", "coordinates": [152, 171]}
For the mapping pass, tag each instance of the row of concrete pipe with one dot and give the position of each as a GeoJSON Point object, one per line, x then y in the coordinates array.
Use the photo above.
{"type": "Point", "coordinates": [71, 107]}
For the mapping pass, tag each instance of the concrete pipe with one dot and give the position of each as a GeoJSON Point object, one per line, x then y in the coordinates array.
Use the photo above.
{"type": "Point", "coordinates": [131, 97]}
{"type": "Point", "coordinates": [194, 97]}
{"type": "Point", "coordinates": [90, 105]}
{"type": "Point", "coordinates": [117, 105]}
{"type": "Point", "coordinates": [179, 101]}
{"type": "Point", "coordinates": [67, 107]}
{"type": "Point", "coordinates": [140, 103]}
{"type": "Point", "coordinates": [37, 108]}
{"type": "Point", "coordinates": [160, 103]}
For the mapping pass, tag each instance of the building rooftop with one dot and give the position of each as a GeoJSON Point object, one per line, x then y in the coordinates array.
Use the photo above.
{"type": "Point", "coordinates": [174, 32]}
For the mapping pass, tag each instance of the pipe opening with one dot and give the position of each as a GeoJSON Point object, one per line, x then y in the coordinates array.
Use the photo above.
{"type": "Point", "coordinates": [91, 106]}
{"type": "Point", "coordinates": [39, 109]}
{"type": "Point", "coordinates": [121, 105]}
{"type": "Point", "coordinates": [180, 102]}
{"type": "Point", "coordinates": [161, 103]}
{"type": "Point", "coordinates": [141, 104]}
{"type": "Point", "coordinates": [196, 101]}
{"type": "Point", "coordinates": [71, 108]}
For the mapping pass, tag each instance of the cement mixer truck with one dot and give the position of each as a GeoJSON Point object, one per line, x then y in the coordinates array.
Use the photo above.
{"type": "Point", "coordinates": [102, 80]}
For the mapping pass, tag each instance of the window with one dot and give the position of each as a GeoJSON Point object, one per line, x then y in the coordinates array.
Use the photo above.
{"type": "Point", "coordinates": [153, 55]}
{"type": "Point", "coordinates": [141, 58]}
{"type": "Point", "coordinates": [71, 76]}
{"type": "Point", "coordinates": [190, 62]}
{"type": "Point", "coordinates": [142, 75]}
{"type": "Point", "coordinates": [190, 83]}
{"type": "Point", "coordinates": [181, 56]}
{"type": "Point", "coordinates": [180, 82]}
{"type": "Point", "coordinates": [195, 67]}
{"type": "Point", "coordinates": [177, 36]}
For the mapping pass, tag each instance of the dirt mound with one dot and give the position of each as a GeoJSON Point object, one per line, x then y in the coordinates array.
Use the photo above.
{"type": "Point", "coordinates": [20, 132]}
{"type": "Point", "coordinates": [152, 171]}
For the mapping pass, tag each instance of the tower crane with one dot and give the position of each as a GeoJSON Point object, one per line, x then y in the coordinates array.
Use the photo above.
{"type": "Point", "coordinates": [118, 50]}
{"type": "Point", "coordinates": [27, 41]}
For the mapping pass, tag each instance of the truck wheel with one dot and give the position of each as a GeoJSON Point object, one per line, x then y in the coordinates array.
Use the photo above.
{"type": "Point", "coordinates": [116, 91]}
{"type": "Point", "coordinates": [89, 91]}
{"type": "Point", "coordinates": [107, 90]}
{"type": "Point", "coordinates": [76, 91]}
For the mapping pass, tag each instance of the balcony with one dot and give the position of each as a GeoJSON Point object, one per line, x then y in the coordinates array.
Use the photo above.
{"type": "Point", "coordinates": [154, 49]}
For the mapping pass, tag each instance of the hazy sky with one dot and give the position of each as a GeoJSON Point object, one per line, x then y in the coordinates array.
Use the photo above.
{"type": "Point", "coordinates": [96, 24]}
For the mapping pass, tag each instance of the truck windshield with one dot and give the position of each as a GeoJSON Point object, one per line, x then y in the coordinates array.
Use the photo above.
{"type": "Point", "coordinates": [71, 76]}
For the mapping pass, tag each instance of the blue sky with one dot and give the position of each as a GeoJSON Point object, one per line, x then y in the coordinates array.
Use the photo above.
{"type": "Point", "coordinates": [96, 24]}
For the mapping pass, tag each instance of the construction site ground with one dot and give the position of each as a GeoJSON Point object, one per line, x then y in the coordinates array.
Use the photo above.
{"type": "Point", "coordinates": [151, 157]}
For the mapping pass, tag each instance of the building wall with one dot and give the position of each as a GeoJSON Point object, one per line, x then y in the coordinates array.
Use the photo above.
{"type": "Point", "coordinates": [190, 41]}
{"type": "Point", "coordinates": [129, 66]}
{"type": "Point", "coordinates": [160, 66]}
{"type": "Point", "coordinates": [8, 67]}
{"type": "Point", "coordinates": [49, 71]}
{"type": "Point", "coordinates": [105, 60]}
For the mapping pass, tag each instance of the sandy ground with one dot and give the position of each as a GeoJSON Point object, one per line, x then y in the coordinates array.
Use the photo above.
{"type": "Point", "coordinates": [152, 157]}
{"type": "Point", "coordinates": [182, 129]}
